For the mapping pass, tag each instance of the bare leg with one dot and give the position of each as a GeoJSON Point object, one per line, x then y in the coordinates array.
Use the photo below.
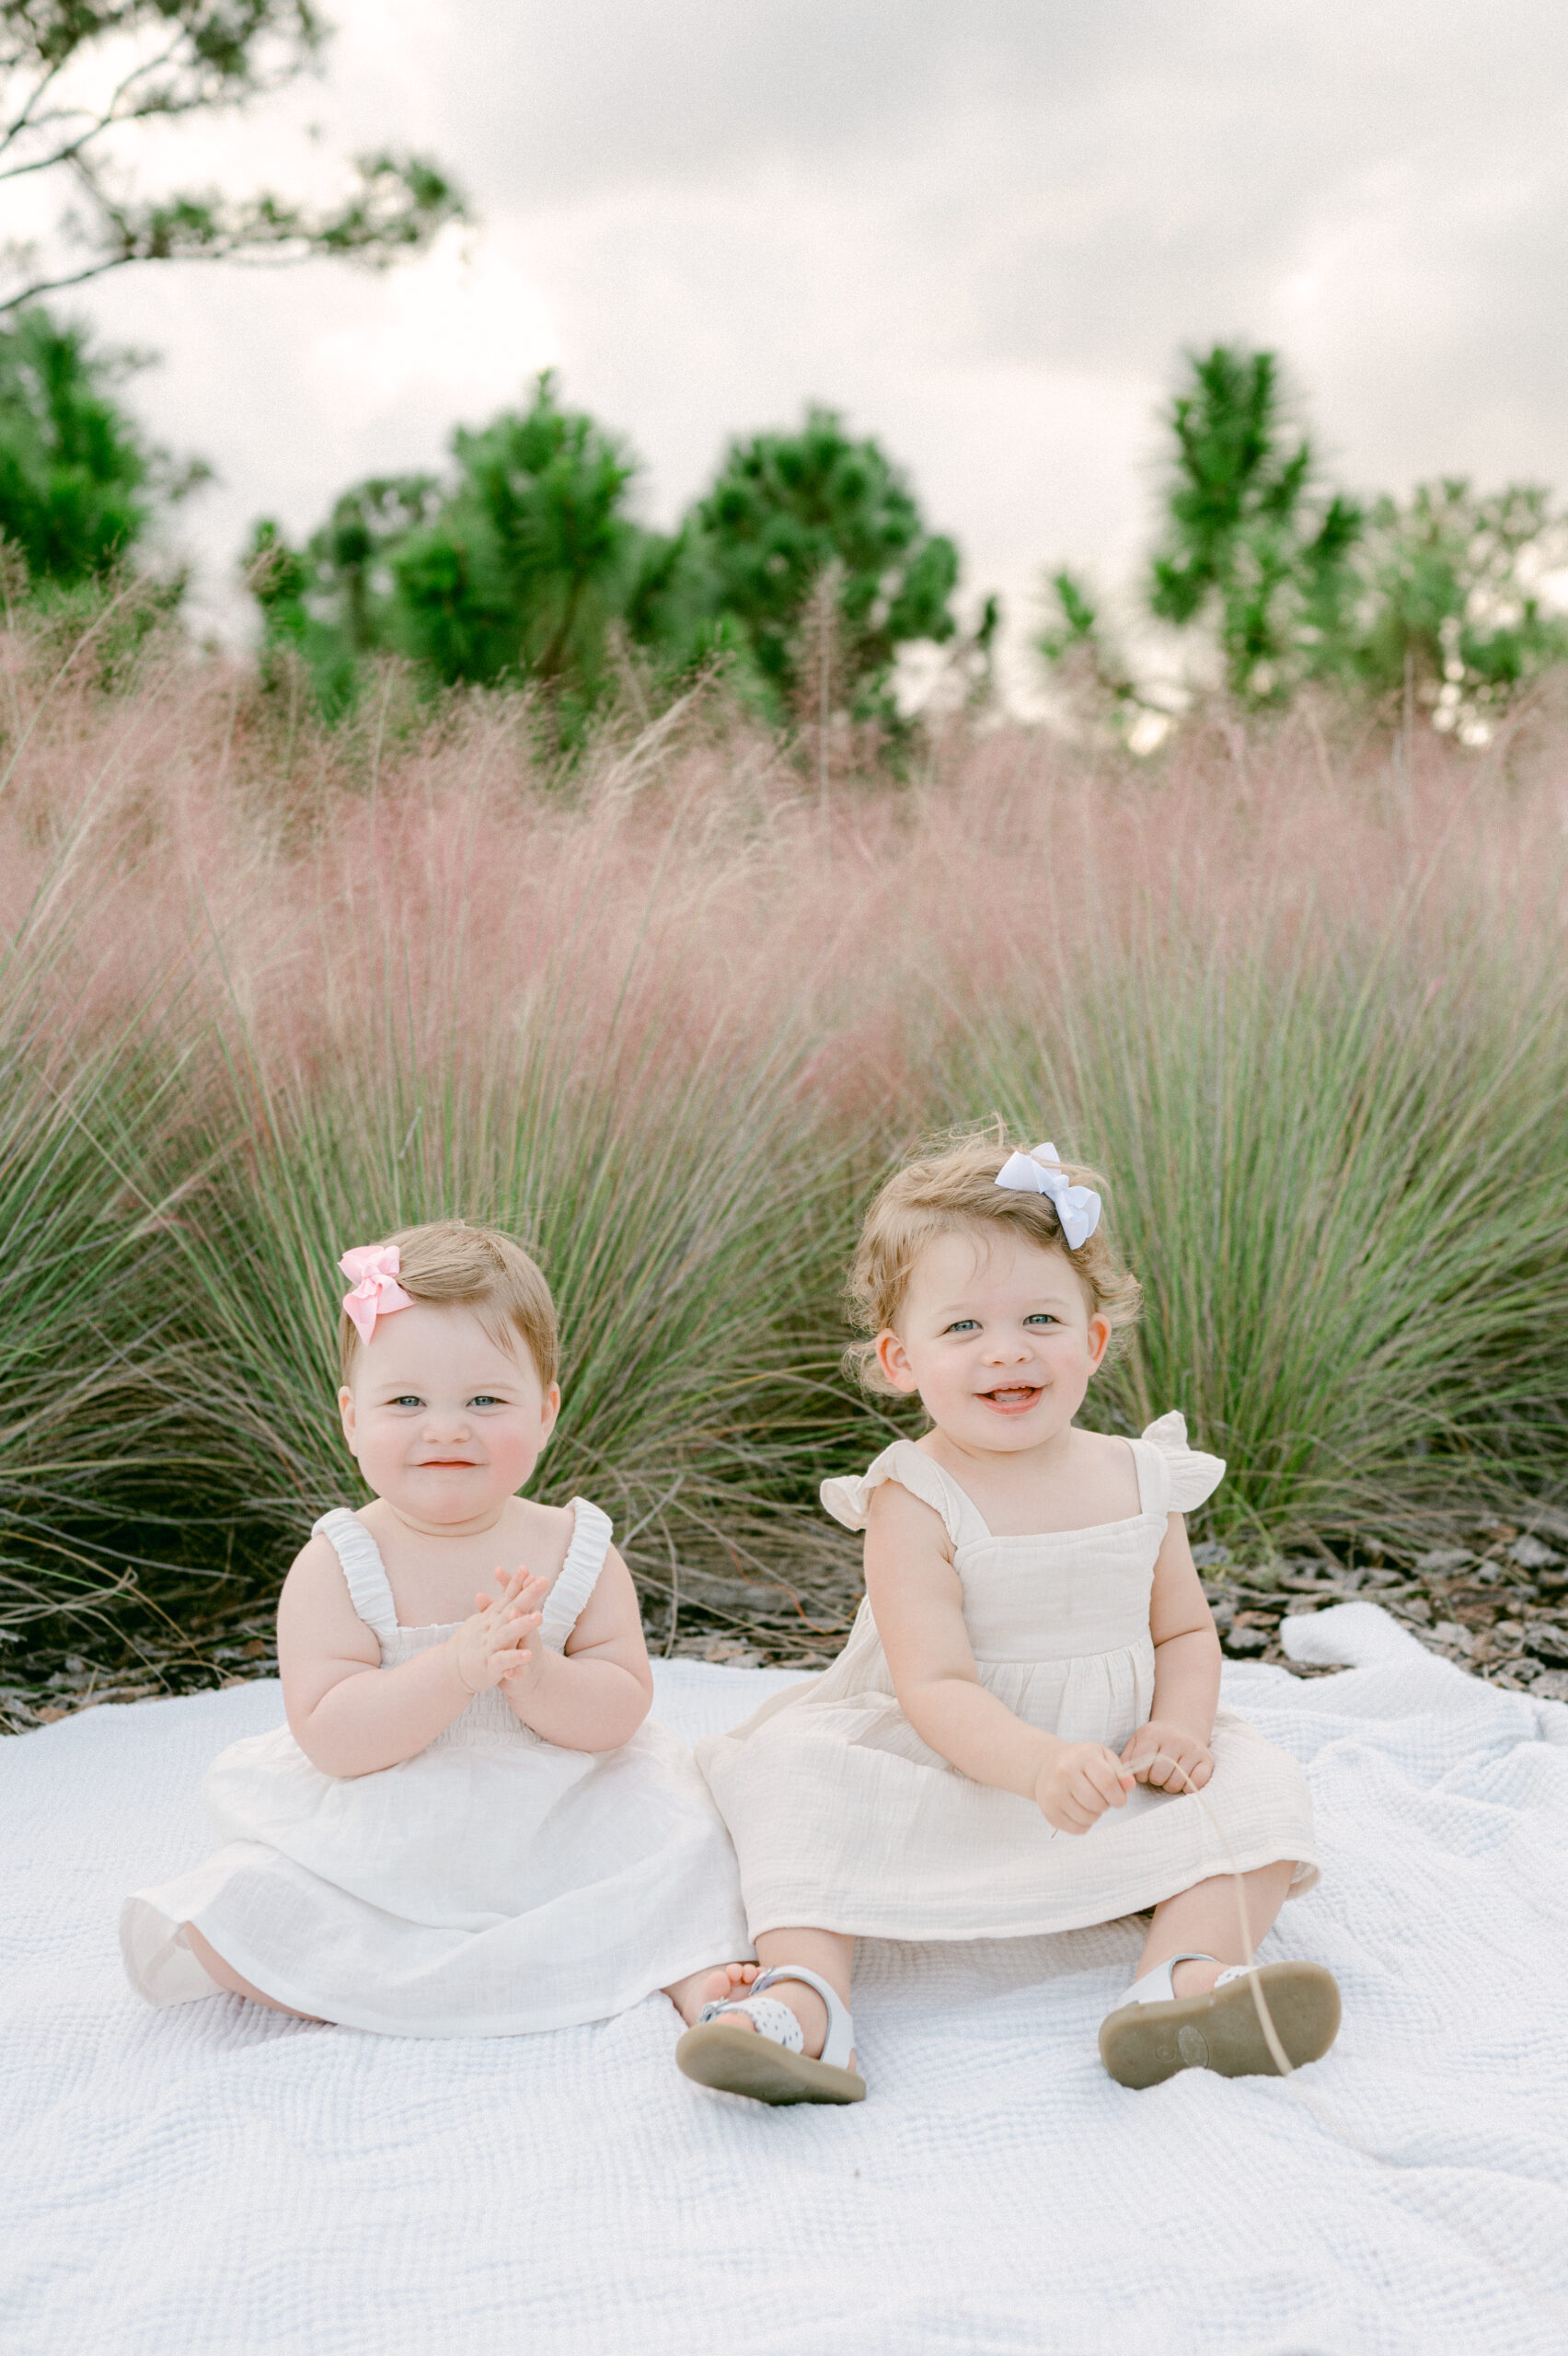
{"type": "Point", "coordinates": [227, 1977]}
{"type": "Point", "coordinates": [699, 1988]}
{"type": "Point", "coordinates": [1208, 1918]}
{"type": "Point", "coordinates": [827, 1952]}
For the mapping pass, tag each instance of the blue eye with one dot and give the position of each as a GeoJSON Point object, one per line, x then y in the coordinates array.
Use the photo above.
{"type": "Point", "coordinates": [1039, 1317]}
{"type": "Point", "coordinates": [963, 1325]}
{"type": "Point", "coordinates": [485, 1398]}
{"type": "Point", "coordinates": [408, 1399]}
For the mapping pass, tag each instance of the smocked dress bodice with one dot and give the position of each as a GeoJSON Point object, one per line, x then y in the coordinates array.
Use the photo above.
{"type": "Point", "coordinates": [489, 1718]}
{"type": "Point", "coordinates": [844, 1818]}
{"type": "Point", "coordinates": [1058, 1620]}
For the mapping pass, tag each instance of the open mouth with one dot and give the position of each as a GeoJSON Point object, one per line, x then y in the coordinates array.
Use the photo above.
{"type": "Point", "coordinates": [1013, 1398]}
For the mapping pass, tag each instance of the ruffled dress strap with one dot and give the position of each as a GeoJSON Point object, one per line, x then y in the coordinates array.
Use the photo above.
{"type": "Point", "coordinates": [579, 1574]}
{"type": "Point", "coordinates": [363, 1571]}
{"type": "Point", "coordinates": [849, 1497]}
{"type": "Point", "coordinates": [1172, 1477]}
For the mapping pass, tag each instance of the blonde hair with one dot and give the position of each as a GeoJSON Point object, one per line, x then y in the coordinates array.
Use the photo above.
{"type": "Point", "coordinates": [950, 1188]}
{"type": "Point", "coordinates": [477, 1269]}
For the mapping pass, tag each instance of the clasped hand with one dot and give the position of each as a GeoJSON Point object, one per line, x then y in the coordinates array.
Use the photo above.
{"type": "Point", "coordinates": [1081, 1780]}
{"type": "Point", "coordinates": [1078, 1782]}
{"type": "Point", "coordinates": [494, 1646]}
{"type": "Point", "coordinates": [1167, 1757]}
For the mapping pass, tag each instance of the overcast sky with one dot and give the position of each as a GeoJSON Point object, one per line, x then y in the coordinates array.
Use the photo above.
{"type": "Point", "coordinates": [983, 232]}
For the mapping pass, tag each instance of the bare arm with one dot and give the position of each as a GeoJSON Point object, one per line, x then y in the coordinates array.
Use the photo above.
{"type": "Point", "coordinates": [917, 1603]}
{"type": "Point", "coordinates": [1171, 1752]}
{"type": "Point", "coordinates": [595, 1695]}
{"type": "Point", "coordinates": [350, 1716]}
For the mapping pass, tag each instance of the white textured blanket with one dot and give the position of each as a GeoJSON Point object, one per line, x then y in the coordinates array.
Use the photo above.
{"type": "Point", "coordinates": [216, 2180]}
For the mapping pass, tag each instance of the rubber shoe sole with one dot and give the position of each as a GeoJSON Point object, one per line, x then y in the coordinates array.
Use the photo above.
{"type": "Point", "coordinates": [739, 2061]}
{"type": "Point", "coordinates": [1142, 2045]}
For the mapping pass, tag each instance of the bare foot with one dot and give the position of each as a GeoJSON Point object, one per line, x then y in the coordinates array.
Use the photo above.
{"type": "Point", "coordinates": [699, 1988]}
{"type": "Point", "coordinates": [227, 1977]}
{"type": "Point", "coordinates": [804, 2002]}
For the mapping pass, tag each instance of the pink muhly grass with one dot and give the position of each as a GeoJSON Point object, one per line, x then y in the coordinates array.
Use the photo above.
{"type": "Point", "coordinates": [671, 1015]}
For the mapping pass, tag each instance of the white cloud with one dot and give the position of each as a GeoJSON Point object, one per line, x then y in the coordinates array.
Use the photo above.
{"type": "Point", "coordinates": [984, 233]}
{"type": "Point", "coordinates": [461, 323]}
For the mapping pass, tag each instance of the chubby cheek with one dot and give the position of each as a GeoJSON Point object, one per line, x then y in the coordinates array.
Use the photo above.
{"type": "Point", "coordinates": [948, 1384]}
{"type": "Point", "coordinates": [513, 1450]}
{"type": "Point", "coordinates": [1068, 1372]}
{"type": "Point", "coordinates": [380, 1448]}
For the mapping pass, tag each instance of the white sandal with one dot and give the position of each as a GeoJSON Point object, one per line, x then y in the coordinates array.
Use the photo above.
{"type": "Point", "coordinates": [770, 2063]}
{"type": "Point", "coordinates": [1153, 2032]}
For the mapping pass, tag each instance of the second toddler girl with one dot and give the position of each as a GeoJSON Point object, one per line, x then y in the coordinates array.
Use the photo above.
{"type": "Point", "coordinates": [469, 1826]}
{"type": "Point", "coordinates": [1024, 1732]}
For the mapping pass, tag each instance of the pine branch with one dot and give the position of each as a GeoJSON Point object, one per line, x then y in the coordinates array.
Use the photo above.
{"type": "Point", "coordinates": [190, 56]}
{"type": "Point", "coordinates": [396, 207]}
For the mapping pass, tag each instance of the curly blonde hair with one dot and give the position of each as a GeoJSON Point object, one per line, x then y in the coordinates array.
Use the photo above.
{"type": "Point", "coordinates": [479, 1268]}
{"type": "Point", "coordinates": [951, 1187]}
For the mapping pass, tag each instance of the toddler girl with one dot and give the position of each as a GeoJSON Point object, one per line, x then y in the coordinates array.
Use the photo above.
{"type": "Point", "coordinates": [469, 1827]}
{"type": "Point", "coordinates": [1023, 1733]}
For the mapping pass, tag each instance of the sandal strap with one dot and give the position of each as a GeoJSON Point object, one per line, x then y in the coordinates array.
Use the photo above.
{"type": "Point", "coordinates": [1157, 1987]}
{"type": "Point", "coordinates": [773, 2020]}
{"type": "Point", "coordinates": [839, 2042]}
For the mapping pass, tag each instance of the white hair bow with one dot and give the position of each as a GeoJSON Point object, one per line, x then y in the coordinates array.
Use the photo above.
{"type": "Point", "coordinates": [1040, 1172]}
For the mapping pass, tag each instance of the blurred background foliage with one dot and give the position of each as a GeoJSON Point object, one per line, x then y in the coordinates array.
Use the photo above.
{"type": "Point", "coordinates": [806, 569]}
{"type": "Point", "coordinates": [81, 487]}
{"type": "Point", "coordinates": [526, 563]}
{"type": "Point", "coordinates": [1451, 601]}
{"type": "Point", "coordinates": [75, 477]}
{"type": "Point", "coordinates": [81, 81]}
{"type": "Point", "coordinates": [804, 572]}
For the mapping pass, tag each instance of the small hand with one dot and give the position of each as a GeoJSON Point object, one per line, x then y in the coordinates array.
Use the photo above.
{"type": "Point", "coordinates": [521, 1589]}
{"type": "Point", "coordinates": [1079, 1783]}
{"type": "Point", "coordinates": [1167, 1757]}
{"type": "Point", "coordinates": [495, 1643]}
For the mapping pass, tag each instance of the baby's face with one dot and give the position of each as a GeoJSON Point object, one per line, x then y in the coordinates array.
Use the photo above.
{"type": "Point", "coordinates": [996, 1336]}
{"type": "Point", "coordinates": [445, 1424]}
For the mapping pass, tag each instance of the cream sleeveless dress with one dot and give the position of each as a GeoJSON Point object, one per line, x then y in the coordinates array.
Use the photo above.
{"type": "Point", "coordinates": [845, 1821]}
{"type": "Point", "coordinates": [493, 1883]}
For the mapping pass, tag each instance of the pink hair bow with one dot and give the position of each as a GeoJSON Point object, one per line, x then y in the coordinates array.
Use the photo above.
{"type": "Point", "coordinates": [372, 1269]}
